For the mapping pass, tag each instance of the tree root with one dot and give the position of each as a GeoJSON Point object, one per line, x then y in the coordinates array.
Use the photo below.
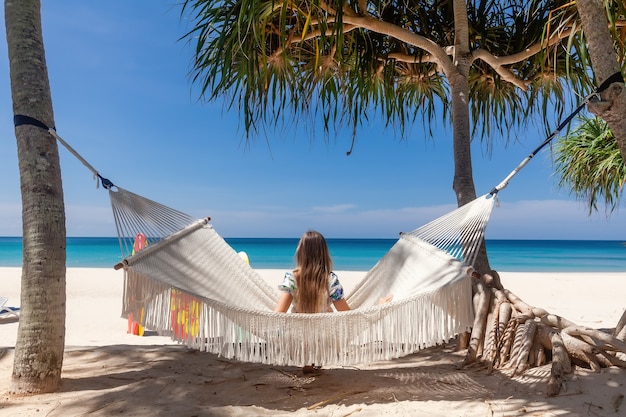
{"type": "Point", "coordinates": [509, 333]}
{"type": "Point", "coordinates": [482, 299]}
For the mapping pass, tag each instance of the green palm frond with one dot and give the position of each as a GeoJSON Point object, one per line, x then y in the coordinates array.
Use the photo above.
{"type": "Point", "coordinates": [269, 58]}
{"type": "Point", "coordinates": [272, 58]}
{"type": "Point", "coordinates": [507, 28]}
{"type": "Point", "coordinates": [589, 163]}
{"type": "Point", "coordinates": [616, 13]}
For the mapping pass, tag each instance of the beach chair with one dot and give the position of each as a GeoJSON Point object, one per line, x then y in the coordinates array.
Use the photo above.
{"type": "Point", "coordinates": [5, 310]}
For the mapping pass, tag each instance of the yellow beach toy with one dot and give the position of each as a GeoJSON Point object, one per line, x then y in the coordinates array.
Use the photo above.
{"type": "Point", "coordinates": [244, 256]}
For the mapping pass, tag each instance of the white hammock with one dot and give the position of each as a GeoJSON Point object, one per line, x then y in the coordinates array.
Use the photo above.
{"type": "Point", "coordinates": [190, 284]}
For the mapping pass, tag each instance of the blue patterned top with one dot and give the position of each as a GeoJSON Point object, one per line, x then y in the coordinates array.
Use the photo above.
{"type": "Point", "coordinates": [335, 289]}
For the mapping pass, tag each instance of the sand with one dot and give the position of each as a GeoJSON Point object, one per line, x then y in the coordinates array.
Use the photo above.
{"type": "Point", "coordinates": [109, 372]}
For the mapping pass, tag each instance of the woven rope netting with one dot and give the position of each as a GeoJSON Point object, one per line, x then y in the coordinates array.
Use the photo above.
{"type": "Point", "coordinates": [183, 279]}
{"type": "Point", "coordinates": [187, 282]}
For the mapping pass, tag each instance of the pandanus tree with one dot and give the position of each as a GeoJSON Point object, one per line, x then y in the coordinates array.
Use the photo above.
{"type": "Point", "coordinates": [589, 163]}
{"type": "Point", "coordinates": [480, 65]}
{"type": "Point", "coordinates": [604, 29]}
{"type": "Point", "coordinates": [590, 160]}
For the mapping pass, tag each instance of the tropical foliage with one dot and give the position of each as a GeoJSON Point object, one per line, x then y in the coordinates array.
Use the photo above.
{"type": "Point", "coordinates": [589, 163]}
{"type": "Point", "coordinates": [589, 160]}
{"type": "Point", "coordinates": [344, 61]}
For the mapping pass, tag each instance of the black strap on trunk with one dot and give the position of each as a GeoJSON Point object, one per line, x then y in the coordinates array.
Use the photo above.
{"type": "Point", "coordinates": [21, 119]}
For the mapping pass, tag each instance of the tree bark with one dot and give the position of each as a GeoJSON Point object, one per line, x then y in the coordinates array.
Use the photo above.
{"type": "Point", "coordinates": [463, 178]}
{"type": "Point", "coordinates": [612, 105]}
{"type": "Point", "coordinates": [41, 332]}
{"type": "Point", "coordinates": [463, 183]}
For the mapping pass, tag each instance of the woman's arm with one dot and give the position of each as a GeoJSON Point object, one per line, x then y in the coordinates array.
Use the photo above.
{"type": "Point", "coordinates": [341, 305]}
{"type": "Point", "coordinates": [383, 300]}
{"type": "Point", "coordinates": [283, 303]}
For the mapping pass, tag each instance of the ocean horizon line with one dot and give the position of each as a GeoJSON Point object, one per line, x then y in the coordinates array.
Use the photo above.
{"type": "Point", "coordinates": [361, 254]}
{"type": "Point", "coordinates": [354, 238]}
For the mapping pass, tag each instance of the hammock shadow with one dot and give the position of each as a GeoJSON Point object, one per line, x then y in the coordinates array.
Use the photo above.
{"type": "Point", "coordinates": [174, 380]}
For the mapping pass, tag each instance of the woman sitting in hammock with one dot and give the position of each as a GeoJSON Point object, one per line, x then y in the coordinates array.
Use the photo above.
{"type": "Point", "coordinates": [312, 287]}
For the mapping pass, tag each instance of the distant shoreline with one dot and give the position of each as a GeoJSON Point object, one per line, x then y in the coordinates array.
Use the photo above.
{"type": "Point", "coordinates": [356, 254]}
{"type": "Point", "coordinates": [367, 238]}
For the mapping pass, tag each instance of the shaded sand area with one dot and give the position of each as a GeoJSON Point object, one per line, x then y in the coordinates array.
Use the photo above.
{"type": "Point", "coordinates": [109, 372]}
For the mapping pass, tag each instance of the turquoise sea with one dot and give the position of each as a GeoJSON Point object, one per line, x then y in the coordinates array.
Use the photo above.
{"type": "Point", "coordinates": [362, 254]}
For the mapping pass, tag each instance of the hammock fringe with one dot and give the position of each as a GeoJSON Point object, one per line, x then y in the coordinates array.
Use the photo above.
{"type": "Point", "coordinates": [366, 335]}
{"type": "Point", "coordinates": [188, 283]}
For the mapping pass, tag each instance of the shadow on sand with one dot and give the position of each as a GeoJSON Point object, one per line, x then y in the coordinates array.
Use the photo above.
{"type": "Point", "coordinates": [174, 380]}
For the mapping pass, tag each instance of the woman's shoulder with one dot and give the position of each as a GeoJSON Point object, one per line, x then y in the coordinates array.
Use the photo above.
{"type": "Point", "coordinates": [334, 287]}
{"type": "Point", "coordinates": [289, 282]}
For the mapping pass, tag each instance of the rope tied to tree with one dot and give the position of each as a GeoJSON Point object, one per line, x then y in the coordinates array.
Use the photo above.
{"type": "Point", "coordinates": [20, 120]}
{"type": "Point", "coordinates": [615, 78]}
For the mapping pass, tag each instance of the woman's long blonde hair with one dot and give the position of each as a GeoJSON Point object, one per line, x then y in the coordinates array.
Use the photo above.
{"type": "Point", "coordinates": [312, 272]}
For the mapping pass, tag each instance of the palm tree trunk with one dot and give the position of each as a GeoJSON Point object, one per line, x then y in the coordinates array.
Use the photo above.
{"type": "Point", "coordinates": [612, 107]}
{"type": "Point", "coordinates": [41, 333]}
{"type": "Point", "coordinates": [463, 178]}
{"type": "Point", "coordinates": [463, 175]}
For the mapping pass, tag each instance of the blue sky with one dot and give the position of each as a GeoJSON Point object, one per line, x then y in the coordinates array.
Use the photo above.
{"type": "Point", "coordinates": [123, 99]}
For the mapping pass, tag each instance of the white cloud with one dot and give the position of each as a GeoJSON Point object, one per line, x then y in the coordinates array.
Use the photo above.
{"type": "Point", "coordinates": [527, 219]}
{"type": "Point", "coordinates": [338, 208]}
{"type": "Point", "coordinates": [553, 219]}
{"type": "Point", "coordinates": [341, 221]}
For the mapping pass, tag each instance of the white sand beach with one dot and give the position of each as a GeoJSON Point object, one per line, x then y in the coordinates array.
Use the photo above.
{"type": "Point", "coordinates": [110, 372]}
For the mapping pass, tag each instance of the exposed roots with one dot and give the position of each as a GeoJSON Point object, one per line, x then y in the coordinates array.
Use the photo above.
{"type": "Point", "coordinates": [508, 333]}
